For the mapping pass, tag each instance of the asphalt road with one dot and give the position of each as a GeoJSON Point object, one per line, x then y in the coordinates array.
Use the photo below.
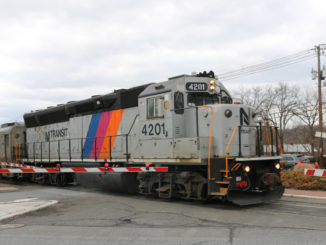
{"type": "Point", "coordinates": [85, 216]}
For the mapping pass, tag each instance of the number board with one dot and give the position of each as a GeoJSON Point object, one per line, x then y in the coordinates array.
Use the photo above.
{"type": "Point", "coordinates": [198, 87]}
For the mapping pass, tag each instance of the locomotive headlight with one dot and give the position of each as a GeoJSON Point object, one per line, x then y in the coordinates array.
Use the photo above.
{"type": "Point", "coordinates": [246, 169]}
{"type": "Point", "coordinates": [212, 82]}
{"type": "Point", "coordinates": [277, 166]}
{"type": "Point", "coordinates": [212, 88]}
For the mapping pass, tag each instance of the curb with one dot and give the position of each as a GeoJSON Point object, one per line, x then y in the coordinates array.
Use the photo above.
{"type": "Point", "coordinates": [304, 196]}
{"type": "Point", "coordinates": [42, 206]}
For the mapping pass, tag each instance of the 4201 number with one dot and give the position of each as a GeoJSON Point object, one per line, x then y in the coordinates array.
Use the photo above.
{"type": "Point", "coordinates": [153, 129]}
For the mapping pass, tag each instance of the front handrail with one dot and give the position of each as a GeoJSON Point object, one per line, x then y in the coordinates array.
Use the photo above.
{"type": "Point", "coordinates": [273, 131]}
{"type": "Point", "coordinates": [226, 152]}
{"type": "Point", "coordinates": [279, 144]}
{"type": "Point", "coordinates": [268, 142]}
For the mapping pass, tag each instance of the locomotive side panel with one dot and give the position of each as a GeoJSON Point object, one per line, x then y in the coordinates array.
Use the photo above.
{"type": "Point", "coordinates": [97, 136]}
{"type": "Point", "coordinates": [167, 128]}
{"type": "Point", "coordinates": [46, 142]}
{"type": "Point", "coordinates": [225, 126]}
{"type": "Point", "coordinates": [155, 127]}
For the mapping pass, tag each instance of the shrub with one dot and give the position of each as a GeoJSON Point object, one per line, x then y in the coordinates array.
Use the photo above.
{"type": "Point", "coordinates": [297, 180]}
{"type": "Point", "coordinates": [301, 166]}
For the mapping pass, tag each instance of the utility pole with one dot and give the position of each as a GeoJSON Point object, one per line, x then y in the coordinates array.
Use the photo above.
{"type": "Point", "coordinates": [320, 109]}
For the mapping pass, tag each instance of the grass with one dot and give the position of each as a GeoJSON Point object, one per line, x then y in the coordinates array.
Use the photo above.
{"type": "Point", "coordinates": [296, 179]}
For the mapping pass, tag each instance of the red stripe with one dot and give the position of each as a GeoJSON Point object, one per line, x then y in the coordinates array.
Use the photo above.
{"type": "Point", "coordinates": [134, 170]}
{"type": "Point", "coordinates": [310, 172]}
{"type": "Point", "coordinates": [79, 169]}
{"type": "Point", "coordinates": [52, 170]}
{"type": "Point", "coordinates": [106, 170]}
{"type": "Point", "coordinates": [324, 174]}
{"type": "Point", "coordinates": [161, 169]}
{"type": "Point", "coordinates": [27, 170]}
{"type": "Point", "coordinates": [4, 170]}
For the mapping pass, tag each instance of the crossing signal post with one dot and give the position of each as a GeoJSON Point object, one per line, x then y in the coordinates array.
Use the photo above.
{"type": "Point", "coordinates": [320, 77]}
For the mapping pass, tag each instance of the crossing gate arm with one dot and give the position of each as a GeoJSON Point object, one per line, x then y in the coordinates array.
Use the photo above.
{"type": "Point", "coordinates": [82, 170]}
{"type": "Point", "coordinates": [15, 165]}
{"type": "Point", "coordinates": [315, 172]}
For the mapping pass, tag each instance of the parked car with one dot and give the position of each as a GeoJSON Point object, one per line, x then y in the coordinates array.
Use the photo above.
{"type": "Point", "coordinates": [290, 160]}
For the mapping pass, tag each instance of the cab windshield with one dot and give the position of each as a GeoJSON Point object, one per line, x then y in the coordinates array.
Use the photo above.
{"type": "Point", "coordinates": [199, 99]}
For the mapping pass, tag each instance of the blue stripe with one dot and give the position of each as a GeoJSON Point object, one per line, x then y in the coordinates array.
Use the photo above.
{"type": "Point", "coordinates": [88, 145]}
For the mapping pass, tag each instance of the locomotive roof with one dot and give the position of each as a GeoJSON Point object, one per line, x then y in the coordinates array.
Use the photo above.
{"type": "Point", "coordinates": [7, 127]}
{"type": "Point", "coordinates": [119, 99]}
{"type": "Point", "coordinates": [177, 84]}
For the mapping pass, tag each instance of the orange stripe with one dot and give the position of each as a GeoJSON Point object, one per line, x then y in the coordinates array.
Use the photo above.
{"type": "Point", "coordinates": [112, 130]}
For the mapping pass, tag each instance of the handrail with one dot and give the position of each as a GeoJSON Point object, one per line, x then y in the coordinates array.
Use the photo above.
{"type": "Point", "coordinates": [117, 135]}
{"type": "Point", "coordinates": [210, 141]}
{"type": "Point", "coordinates": [16, 151]}
{"type": "Point", "coordinates": [19, 152]}
{"type": "Point", "coordinates": [269, 144]}
{"type": "Point", "coordinates": [226, 152]}
{"type": "Point", "coordinates": [279, 144]}
{"type": "Point", "coordinates": [132, 125]}
{"type": "Point", "coordinates": [238, 127]}
{"type": "Point", "coordinates": [69, 153]}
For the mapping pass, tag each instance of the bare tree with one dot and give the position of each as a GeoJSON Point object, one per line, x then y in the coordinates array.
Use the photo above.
{"type": "Point", "coordinates": [257, 97]}
{"type": "Point", "coordinates": [284, 101]}
{"type": "Point", "coordinates": [307, 113]}
{"type": "Point", "coordinates": [274, 104]}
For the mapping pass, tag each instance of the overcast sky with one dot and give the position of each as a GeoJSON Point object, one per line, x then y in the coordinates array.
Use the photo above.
{"type": "Point", "coordinates": [56, 51]}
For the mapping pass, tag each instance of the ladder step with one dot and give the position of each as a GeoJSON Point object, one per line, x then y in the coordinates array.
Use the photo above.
{"type": "Point", "coordinates": [223, 171]}
{"type": "Point", "coordinates": [222, 182]}
{"type": "Point", "coordinates": [223, 192]}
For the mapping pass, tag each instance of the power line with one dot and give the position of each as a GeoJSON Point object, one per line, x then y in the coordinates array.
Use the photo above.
{"type": "Point", "coordinates": [273, 64]}
{"type": "Point", "coordinates": [276, 62]}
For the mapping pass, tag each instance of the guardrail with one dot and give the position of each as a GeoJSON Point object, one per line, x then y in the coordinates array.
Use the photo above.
{"type": "Point", "coordinates": [30, 169]}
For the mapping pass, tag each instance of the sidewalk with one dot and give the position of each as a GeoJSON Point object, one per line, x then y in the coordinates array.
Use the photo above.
{"type": "Point", "coordinates": [305, 193]}
{"type": "Point", "coordinates": [17, 207]}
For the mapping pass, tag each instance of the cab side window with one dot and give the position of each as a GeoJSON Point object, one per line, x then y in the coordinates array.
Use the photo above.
{"type": "Point", "coordinates": [178, 103]}
{"type": "Point", "coordinates": [155, 107]}
{"type": "Point", "coordinates": [226, 98]}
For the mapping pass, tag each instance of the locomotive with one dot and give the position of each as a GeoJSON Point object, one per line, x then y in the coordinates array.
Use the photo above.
{"type": "Point", "coordinates": [212, 146]}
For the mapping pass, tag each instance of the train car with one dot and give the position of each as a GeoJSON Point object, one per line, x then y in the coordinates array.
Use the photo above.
{"type": "Point", "coordinates": [214, 148]}
{"type": "Point", "coordinates": [12, 139]}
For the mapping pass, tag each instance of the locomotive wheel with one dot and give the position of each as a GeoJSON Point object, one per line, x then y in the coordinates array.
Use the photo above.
{"type": "Point", "coordinates": [41, 179]}
{"type": "Point", "coordinates": [61, 180]}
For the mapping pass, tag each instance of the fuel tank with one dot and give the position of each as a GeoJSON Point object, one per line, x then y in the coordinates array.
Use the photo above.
{"type": "Point", "coordinates": [111, 182]}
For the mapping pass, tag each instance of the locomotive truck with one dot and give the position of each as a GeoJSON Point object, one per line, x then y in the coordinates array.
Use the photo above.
{"type": "Point", "coordinates": [213, 147]}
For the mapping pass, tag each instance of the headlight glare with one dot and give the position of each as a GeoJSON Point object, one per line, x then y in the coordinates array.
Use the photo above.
{"type": "Point", "coordinates": [247, 169]}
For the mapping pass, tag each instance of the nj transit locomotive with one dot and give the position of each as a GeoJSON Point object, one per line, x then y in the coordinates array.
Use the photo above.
{"type": "Point", "coordinates": [212, 146]}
